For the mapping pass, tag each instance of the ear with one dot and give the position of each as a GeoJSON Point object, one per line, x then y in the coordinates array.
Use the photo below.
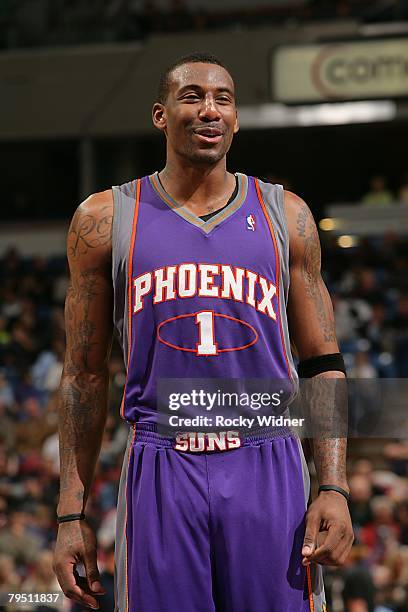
{"type": "Point", "coordinates": [236, 125]}
{"type": "Point", "coordinates": [159, 116]}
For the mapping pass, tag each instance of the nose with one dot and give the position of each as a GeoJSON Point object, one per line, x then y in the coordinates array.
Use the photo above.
{"type": "Point", "coordinates": [209, 109]}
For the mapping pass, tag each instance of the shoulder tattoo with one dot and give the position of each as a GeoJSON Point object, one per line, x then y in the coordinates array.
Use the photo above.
{"type": "Point", "coordinates": [89, 231]}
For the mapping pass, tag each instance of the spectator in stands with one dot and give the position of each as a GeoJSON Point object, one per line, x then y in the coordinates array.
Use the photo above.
{"type": "Point", "coordinates": [362, 367]}
{"type": "Point", "coordinates": [4, 334]}
{"type": "Point", "coordinates": [351, 315]}
{"type": "Point", "coordinates": [47, 369]}
{"type": "Point", "coordinates": [382, 534]}
{"type": "Point", "coordinates": [397, 455]}
{"type": "Point", "coordinates": [17, 542]}
{"type": "Point", "coordinates": [382, 577]}
{"type": "Point", "coordinates": [6, 393]}
{"type": "Point", "coordinates": [9, 579]}
{"type": "Point", "coordinates": [378, 194]}
{"type": "Point", "coordinates": [401, 513]}
{"type": "Point", "coordinates": [400, 326]}
{"type": "Point", "coordinates": [362, 467]}
{"type": "Point", "coordinates": [43, 580]}
{"type": "Point", "coordinates": [359, 590]}
{"type": "Point", "coordinates": [360, 495]}
{"type": "Point", "coordinates": [32, 432]}
{"type": "Point", "coordinates": [403, 191]}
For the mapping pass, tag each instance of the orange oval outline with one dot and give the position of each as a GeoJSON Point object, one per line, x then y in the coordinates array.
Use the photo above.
{"type": "Point", "coordinates": [216, 314]}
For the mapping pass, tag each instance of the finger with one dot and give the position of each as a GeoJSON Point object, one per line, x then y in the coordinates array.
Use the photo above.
{"type": "Point", "coordinates": [79, 596]}
{"type": "Point", "coordinates": [343, 549]}
{"type": "Point", "coordinates": [82, 582]}
{"type": "Point", "coordinates": [330, 557]}
{"type": "Point", "coordinates": [92, 574]}
{"type": "Point", "coordinates": [345, 554]}
{"type": "Point", "coordinates": [312, 529]}
{"type": "Point", "coordinates": [328, 552]}
{"type": "Point", "coordinates": [66, 577]}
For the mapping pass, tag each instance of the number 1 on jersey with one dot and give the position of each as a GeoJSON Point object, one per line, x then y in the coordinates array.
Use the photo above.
{"type": "Point", "coordinates": [206, 344]}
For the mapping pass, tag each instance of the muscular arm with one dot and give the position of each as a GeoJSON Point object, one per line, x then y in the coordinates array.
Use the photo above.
{"type": "Point", "coordinates": [84, 383]}
{"type": "Point", "coordinates": [312, 329]}
{"type": "Point", "coordinates": [311, 323]}
{"type": "Point", "coordinates": [88, 321]}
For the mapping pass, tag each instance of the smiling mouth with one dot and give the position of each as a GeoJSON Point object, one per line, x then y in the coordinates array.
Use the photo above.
{"type": "Point", "coordinates": [209, 135]}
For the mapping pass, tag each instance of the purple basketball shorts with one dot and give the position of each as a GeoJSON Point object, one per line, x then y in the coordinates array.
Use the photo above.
{"type": "Point", "coordinates": [214, 531]}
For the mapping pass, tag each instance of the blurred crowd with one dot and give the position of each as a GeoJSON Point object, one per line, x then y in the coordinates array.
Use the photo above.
{"type": "Point", "coordinates": [369, 289]}
{"type": "Point", "coordinates": [380, 194]}
{"type": "Point", "coordinates": [32, 343]}
{"type": "Point", "coordinates": [47, 22]}
{"type": "Point", "coordinates": [375, 578]}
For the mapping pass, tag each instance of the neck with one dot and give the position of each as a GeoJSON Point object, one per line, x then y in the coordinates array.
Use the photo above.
{"type": "Point", "coordinates": [199, 187]}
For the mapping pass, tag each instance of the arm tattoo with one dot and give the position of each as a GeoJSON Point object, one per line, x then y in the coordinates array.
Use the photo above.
{"type": "Point", "coordinates": [84, 387]}
{"type": "Point", "coordinates": [82, 401]}
{"type": "Point", "coordinates": [88, 232]}
{"type": "Point", "coordinates": [82, 415]}
{"type": "Point", "coordinates": [301, 222]}
{"type": "Point", "coordinates": [306, 229]}
{"type": "Point", "coordinates": [325, 400]}
{"type": "Point", "coordinates": [79, 326]}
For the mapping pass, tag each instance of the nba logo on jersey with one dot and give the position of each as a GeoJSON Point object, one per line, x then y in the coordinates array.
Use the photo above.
{"type": "Point", "coordinates": [251, 222]}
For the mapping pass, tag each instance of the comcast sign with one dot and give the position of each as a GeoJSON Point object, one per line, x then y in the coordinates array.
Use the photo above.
{"type": "Point", "coordinates": [341, 71]}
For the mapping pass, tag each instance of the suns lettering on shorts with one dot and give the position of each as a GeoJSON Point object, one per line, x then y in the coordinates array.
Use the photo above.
{"type": "Point", "coordinates": [205, 280]}
{"type": "Point", "coordinates": [199, 442]}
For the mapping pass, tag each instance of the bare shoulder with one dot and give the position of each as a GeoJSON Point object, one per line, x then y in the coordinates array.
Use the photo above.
{"type": "Point", "coordinates": [298, 213]}
{"type": "Point", "coordinates": [90, 232]}
{"type": "Point", "coordinates": [98, 201]}
{"type": "Point", "coordinates": [301, 225]}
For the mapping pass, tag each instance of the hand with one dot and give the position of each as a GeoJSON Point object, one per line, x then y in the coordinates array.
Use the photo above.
{"type": "Point", "coordinates": [76, 543]}
{"type": "Point", "coordinates": [330, 513]}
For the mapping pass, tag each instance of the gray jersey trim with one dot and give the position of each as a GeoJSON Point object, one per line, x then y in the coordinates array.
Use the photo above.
{"type": "Point", "coordinates": [124, 197]}
{"type": "Point", "coordinates": [273, 197]}
{"type": "Point", "coordinates": [319, 598]}
{"type": "Point", "coordinates": [120, 540]}
{"type": "Point", "coordinates": [124, 200]}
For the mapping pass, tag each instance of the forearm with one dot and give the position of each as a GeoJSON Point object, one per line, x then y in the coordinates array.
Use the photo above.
{"type": "Point", "coordinates": [327, 404]}
{"type": "Point", "coordinates": [330, 460]}
{"type": "Point", "coordinates": [82, 417]}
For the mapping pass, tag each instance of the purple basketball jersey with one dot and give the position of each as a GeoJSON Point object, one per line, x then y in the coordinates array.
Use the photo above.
{"type": "Point", "coordinates": [205, 299]}
{"type": "Point", "coordinates": [212, 531]}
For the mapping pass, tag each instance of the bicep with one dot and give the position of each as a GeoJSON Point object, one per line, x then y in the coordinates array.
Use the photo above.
{"type": "Point", "coordinates": [310, 311]}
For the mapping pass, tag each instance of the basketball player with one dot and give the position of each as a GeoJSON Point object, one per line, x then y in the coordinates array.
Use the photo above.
{"type": "Point", "coordinates": [201, 260]}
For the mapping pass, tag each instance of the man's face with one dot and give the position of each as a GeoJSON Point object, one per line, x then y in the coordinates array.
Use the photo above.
{"type": "Point", "coordinates": [199, 116]}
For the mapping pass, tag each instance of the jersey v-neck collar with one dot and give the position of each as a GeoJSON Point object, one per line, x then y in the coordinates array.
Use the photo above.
{"type": "Point", "coordinates": [208, 216]}
{"type": "Point", "coordinates": [223, 214]}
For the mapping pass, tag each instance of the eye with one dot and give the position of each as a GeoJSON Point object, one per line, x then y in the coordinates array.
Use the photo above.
{"type": "Point", "coordinates": [191, 97]}
{"type": "Point", "coordinates": [224, 99]}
